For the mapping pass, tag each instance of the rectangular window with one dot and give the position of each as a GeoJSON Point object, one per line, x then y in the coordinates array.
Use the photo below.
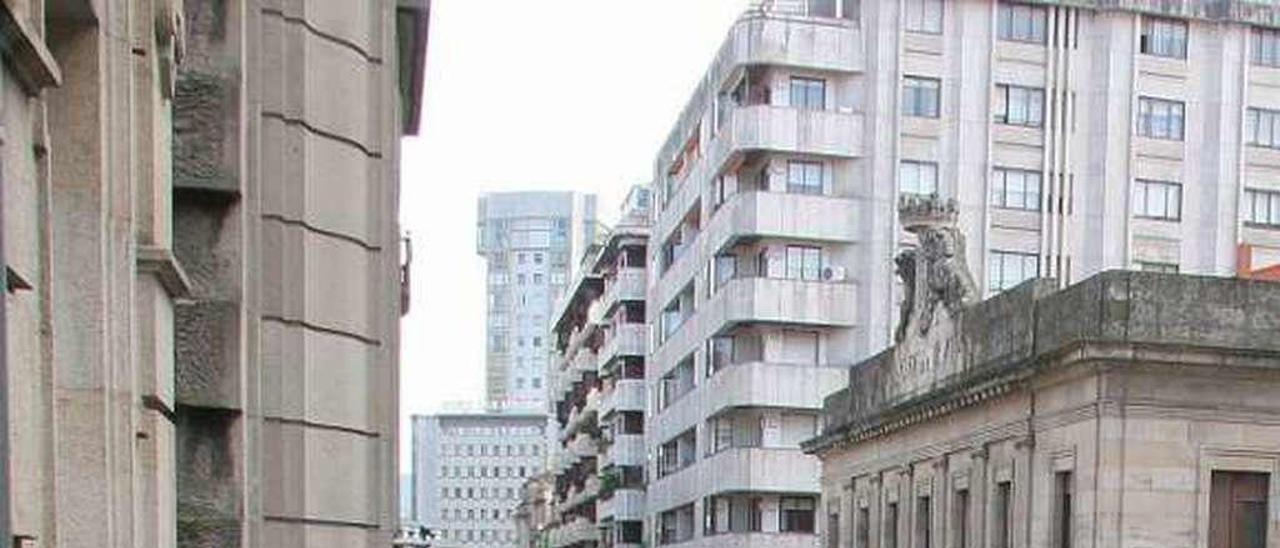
{"type": "Point", "coordinates": [1021, 22]}
{"type": "Point", "coordinates": [1008, 269]}
{"type": "Point", "coordinates": [804, 177]}
{"type": "Point", "coordinates": [922, 16]}
{"type": "Point", "coordinates": [796, 515]}
{"type": "Point", "coordinates": [891, 525]}
{"type": "Point", "coordinates": [1150, 266]}
{"type": "Point", "coordinates": [1238, 515]}
{"type": "Point", "coordinates": [808, 93]}
{"type": "Point", "coordinates": [1002, 514]}
{"type": "Point", "coordinates": [921, 97]}
{"type": "Point", "coordinates": [919, 178]}
{"type": "Point", "coordinates": [862, 530]}
{"type": "Point", "coordinates": [804, 263]}
{"type": "Point", "coordinates": [1062, 510]}
{"type": "Point", "coordinates": [1262, 207]}
{"type": "Point", "coordinates": [960, 517]}
{"type": "Point", "coordinates": [1019, 105]}
{"type": "Point", "coordinates": [1015, 189]}
{"type": "Point", "coordinates": [1164, 37]}
{"type": "Point", "coordinates": [1262, 127]}
{"type": "Point", "coordinates": [924, 522]}
{"type": "Point", "coordinates": [1161, 118]}
{"type": "Point", "coordinates": [1157, 200]}
{"type": "Point", "coordinates": [833, 528]}
{"type": "Point", "coordinates": [1265, 47]}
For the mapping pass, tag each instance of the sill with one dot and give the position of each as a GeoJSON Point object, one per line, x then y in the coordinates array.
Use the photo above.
{"type": "Point", "coordinates": [1040, 43]}
{"type": "Point", "coordinates": [923, 32]}
{"type": "Point", "coordinates": [1017, 125]}
{"type": "Point", "coordinates": [27, 55]}
{"type": "Point", "coordinates": [1160, 219]}
{"type": "Point", "coordinates": [1165, 57]}
{"type": "Point", "coordinates": [164, 265]}
{"type": "Point", "coordinates": [1262, 226]}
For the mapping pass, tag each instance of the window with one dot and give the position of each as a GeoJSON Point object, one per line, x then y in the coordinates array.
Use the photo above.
{"type": "Point", "coordinates": [1151, 266]}
{"type": "Point", "coordinates": [1262, 127]}
{"type": "Point", "coordinates": [833, 528]}
{"type": "Point", "coordinates": [444, 492]}
{"type": "Point", "coordinates": [804, 177]}
{"type": "Point", "coordinates": [519, 382]}
{"type": "Point", "coordinates": [1160, 118]}
{"type": "Point", "coordinates": [924, 522]}
{"type": "Point", "coordinates": [804, 263]}
{"type": "Point", "coordinates": [444, 471]}
{"type": "Point", "coordinates": [1021, 22]}
{"type": "Point", "coordinates": [808, 93]}
{"type": "Point", "coordinates": [919, 178]}
{"type": "Point", "coordinates": [1062, 510]}
{"type": "Point", "coordinates": [1008, 269]}
{"type": "Point", "coordinates": [1262, 207]}
{"type": "Point", "coordinates": [536, 382]}
{"type": "Point", "coordinates": [921, 97]}
{"type": "Point", "coordinates": [1265, 47]}
{"type": "Point", "coordinates": [1002, 514]}
{"type": "Point", "coordinates": [725, 268]}
{"type": "Point", "coordinates": [1163, 37]}
{"type": "Point", "coordinates": [862, 529]}
{"type": "Point", "coordinates": [537, 258]}
{"type": "Point", "coordinates": [1019, 106]}
{"type": "Point", "coordinates": [1157, 200]}
{"type": "Point", "coordinates": [1015, 189]}
{"type": "Point", "coordinates": [796, 515]}
{"type": "Point", "coordinates": [960, 516]}
{"type": "Point", "coordinates": [1238, 516]}
{"type": "Point", "coordinates": [537, 279]}
{"type": "Point", "coordinates": [922, 16]}
{"type": "Point", "coordinates": [891, 525]}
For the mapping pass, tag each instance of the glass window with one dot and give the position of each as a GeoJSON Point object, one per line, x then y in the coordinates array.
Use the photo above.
{"type": "Point", "coordinates": [796, 515]}
{"type": "Point", "coordinates": [1262, 207]}
{"type": "Point", "coordinates": [1015, 189]}
{"type": "Point", "coordinates": [1002, 511]}
{"type": "Point", "coordinates": [919, 178]}
{"type": "Point", "coordinates": [1021, 22]}
{"type": "Point", "coordinates": [921, 97]}
{"type": "Point", "coordinates": [804, 262]}
{"type": "Point", "coordinates": [1157, 200]}
{"type": "Point", "coordinates": [1262, 127]}
{"type": "Point", "coordinates": [804, 177]}
{"type": "Point", "coordinates": [808, 93]}
{"type": "Point", "coordinates": [1160, 118]}
{"type": "Point", "coordinates": [1151, 266]}
{"type": "Point", "coordinates": [1007, 269]}
{"type": "Point", "coordinates": [1265, 47]}
{"type": "Point", "coordinates": [922, 16]}
{"type": "Point", "coordinates": [1019, 106]}
{"type": "Point", "coordinates": [1164, 37]}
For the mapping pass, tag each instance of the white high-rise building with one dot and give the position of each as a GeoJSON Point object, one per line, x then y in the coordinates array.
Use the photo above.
{"type": "Point", "coordinates": [529, 241]}
{"type": "Point", "coordinates": [1076, 137]}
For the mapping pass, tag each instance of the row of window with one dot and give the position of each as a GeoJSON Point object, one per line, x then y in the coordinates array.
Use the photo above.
{"type": "Point", "coordinates": [477, 493]}
{"type": "Point", "coordinates": [485, 514]}
{"type": "Point", "coordinates": [482, 450]}
{"type": "Point", "coordinates": [482, 472]}
{"type": "Point", "coordinates": [474, 535]}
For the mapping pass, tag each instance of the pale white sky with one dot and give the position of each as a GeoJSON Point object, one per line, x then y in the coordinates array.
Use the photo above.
{"type": "Point", "coordinates": [529, 95]}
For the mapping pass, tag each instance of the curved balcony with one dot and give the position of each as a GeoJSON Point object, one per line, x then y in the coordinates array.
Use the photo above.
{"type": "Point", "coordinates": [787, 129]}
{"type": "Point", "coordinates": [627, 285]}
{"type": "Point", "coordinates": [627, 395]}
{"type": "Point", "coordinates": [626, 450]}
{"type": "Point", "coordinates": [624, 505]}
{"type": "Point", "coordinates": [584, 361]}
{"type": "Point", "coordinates": [776, 39]}
{"type": "Point", "coordinates": [781, 215]}
{"type": "Point", "coordinates": [583, 446]}
{"type": "Point", "coordinates": [589, 493]}
{"type": "Point", "coordinates": [627, 340]}
{"type": "Point", "coordinates": [776, 470]}
{"type": "Point", "coordinates": [781, 300]}
{"type": "Point", "coordinates": [777, 385]}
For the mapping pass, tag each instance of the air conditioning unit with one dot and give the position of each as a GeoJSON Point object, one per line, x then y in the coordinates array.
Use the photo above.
{"type": "Point", "coordinates": [833, 274]}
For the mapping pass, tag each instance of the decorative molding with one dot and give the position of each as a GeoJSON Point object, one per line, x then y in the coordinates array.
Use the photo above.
{"type": "Point", "coordinates": [164, 265]}
{"type": "Point", "coordinates": [26, 54]}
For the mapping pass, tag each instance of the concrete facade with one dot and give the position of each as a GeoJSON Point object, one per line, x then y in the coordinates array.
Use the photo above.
{"type": "Point", "coordinates": [177, 194]}
{"type": "Point", "coordinates": [1075, 136]}
{"type": "Point", "coordinates": [1111, 413]}
{"type": "Point", "coordinates": [529, 241]}
{"type": "Point", "coordinates": [469, 471]}
{"type": "Point", "coordinates": [599, 337]}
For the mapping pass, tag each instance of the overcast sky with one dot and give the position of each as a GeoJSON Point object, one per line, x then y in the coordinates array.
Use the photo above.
{"type": "Point", "coordinates": [529, 95]}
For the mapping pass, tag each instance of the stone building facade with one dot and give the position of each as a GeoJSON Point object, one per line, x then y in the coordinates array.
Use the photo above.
{"type": "Point", "coordinates": [204, 270]}
{"type": "Point", "coordinates": [1130, 409]}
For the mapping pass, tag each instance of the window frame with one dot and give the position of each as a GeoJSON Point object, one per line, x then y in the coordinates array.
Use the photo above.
{"type": "Point", "coordinates": [806, 169]}
{"type": "Point", "coordinates": [914, 91]}
{"type": "Point", "coordinates": [997, 279]}
{"type": "Point", "coordinates": [1179, 42]}
{"type": "Point", "coordinates": [1148, 118]}
{"type": "Point", "coordinates": [919, 167]}
{"type": "Point", "coordinates": [1253, 124]}
{"type": "Point", "coordinates": [1000, 185]}
{"type": "Point", "coordinates": [1007, 14]}
{"type": "Point", "coordinates": [924, 16]}
{"type": "Point", "coordinates": [1031, 110]}
{"type": "Point", "coordinates": [1142, 200]}
{"type": "Point", "coordinates": [1264, 47]}
{"type": "Point", "coordinates": [1249, 206]}
{"type": "Point", "coordinates": [805, 88]}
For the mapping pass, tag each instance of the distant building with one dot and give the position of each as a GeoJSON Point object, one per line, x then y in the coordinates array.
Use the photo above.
{"type": "Point", "coordinates": [468, 471]}
{"type": "Point", "coordinates": [529, 241]}
{"type": "Point", "coordinates": [600, 341]}
{"type": "Point", "coordinates": [534, 513]}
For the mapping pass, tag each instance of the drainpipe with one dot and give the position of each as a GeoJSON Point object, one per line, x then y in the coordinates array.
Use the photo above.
{"type": "Point", "coordinates": [6, 535]}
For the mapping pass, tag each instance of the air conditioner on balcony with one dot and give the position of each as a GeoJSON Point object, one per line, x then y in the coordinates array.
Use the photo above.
{"type": "Point", "coordinates": [833, 274]}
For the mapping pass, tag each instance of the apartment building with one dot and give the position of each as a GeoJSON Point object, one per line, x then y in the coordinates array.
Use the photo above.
{"type": "Point", "coordinates": [600, 337]}
{"type": "Point", "coordinates": [1075, 136]}
{"type": "Point", "coordinates": [529, 241]}
{"type": "Point", "coordinates": [468, 472]}
{"type": "Point", "coordinates": [204, 270]}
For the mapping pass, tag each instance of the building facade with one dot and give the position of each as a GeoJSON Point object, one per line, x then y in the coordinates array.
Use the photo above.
{"type": "Point", "coordinates": [468, 473]}
{"type": "Point", "coordinates": [533, 514]}
{"type": "Point", "coordinates": [1075, 136]}
{"type": "Point", "coordinates": [528, 240]}
{"type": "Point", "coordinates": [183, 365]}
{"type": "Point", "coordinates": [599, 335]}
{"type": "Point", "coordinates": [1127, 409]}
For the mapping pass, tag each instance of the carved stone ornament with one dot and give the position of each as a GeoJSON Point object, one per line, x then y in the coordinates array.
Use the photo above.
{"type": "Point", "coordinates": [935, 274]}
{"type": "Point", "coordinates": [170, 42]}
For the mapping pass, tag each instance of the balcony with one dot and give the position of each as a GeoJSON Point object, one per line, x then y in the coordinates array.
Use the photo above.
{"type": "Point", "coordinates": [589, 493]}
{"type": "Point", "coordinates": [627, 340]}
{"type": "Point", "coordinates": [584, 361]}
{"type": "Point", "coordinates": [624, 505]}
{"type": "Point", "coordinates": [790, 40]}
{"type": "Point", "coordinates": [776, 470]}
{"type": "Point", "coordinates": [787, 129]}
{"type": "Point", "coordinates": [628, 285]}
{"type": "Point", "coordinates": [781, 300]}
{"type": "Point", "coordinates": [782, 215]}
{"type": "Point", "coordinates": [583, 446]}
{"type": "Point", "coordinates": [776, 385]}
{"type": "Point", "coordinates": [627, 395]}
{"type": "Point", "coordinates": [626, 450]}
